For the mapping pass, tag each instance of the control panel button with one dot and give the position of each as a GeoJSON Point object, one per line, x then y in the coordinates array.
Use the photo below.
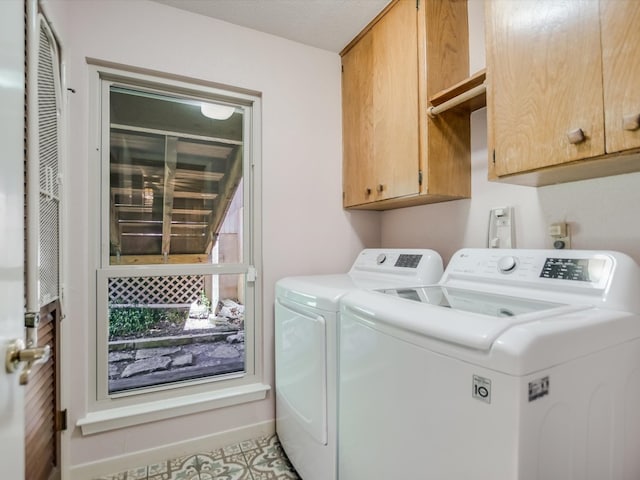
{"type": "Point", "coordinates": [507, 264]}
{"type": "Point", "coordinates": [381, 259]}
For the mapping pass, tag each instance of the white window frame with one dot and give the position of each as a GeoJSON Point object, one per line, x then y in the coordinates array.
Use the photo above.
{"type": "Point", "coordinates": [110, 411]}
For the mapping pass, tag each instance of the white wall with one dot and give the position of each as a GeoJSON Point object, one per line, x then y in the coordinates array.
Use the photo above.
{"type": "Point", "coordinates": [602, 213]}
{"type": "Point", "coordinates": [305, 229]}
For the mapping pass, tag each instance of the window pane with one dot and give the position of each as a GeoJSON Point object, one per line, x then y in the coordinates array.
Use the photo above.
{"type": "Point", "coordinates": [175, 188]}
{"type": "Point", "coordinates": [166, 329]}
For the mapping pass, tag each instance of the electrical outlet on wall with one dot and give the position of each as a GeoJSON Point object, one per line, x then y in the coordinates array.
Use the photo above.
{"type": "Point", "coordinates": [560, 235]}
{"type": "Point", "coordinates": [501, 228]}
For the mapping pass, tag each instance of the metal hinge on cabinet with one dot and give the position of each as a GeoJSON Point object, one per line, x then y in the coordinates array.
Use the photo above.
{"type": "Point", "coordinates": [61, 420]}
{"type": "Point", "coordinates": [420, 177]}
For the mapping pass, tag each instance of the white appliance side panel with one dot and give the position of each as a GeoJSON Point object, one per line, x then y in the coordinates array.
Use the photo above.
{"type": "Point", "coordinates": [581, 423]}
{"type": "Point", "coordinates": [405, 411]}
{"type": "Point", "coordinates": [587, 427]}
{"type": "Point", "coordinates": [301, 373]}
{"type": "Point", "coordinates": [599, 460]}
{"type": "Point", "coordinates": [311, 459]}
{"type": "Point", "coordinates": [631, 418]}
{"type": "Point", "coordinates": [306, 390]}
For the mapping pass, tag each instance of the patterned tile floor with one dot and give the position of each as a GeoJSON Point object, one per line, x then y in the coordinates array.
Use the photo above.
{"type": "Point", "coordinates": [259, 459]}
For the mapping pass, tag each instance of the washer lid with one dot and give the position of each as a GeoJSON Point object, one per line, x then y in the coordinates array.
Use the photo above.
{"type": "Point", "coordinates": [316, 291]}
{"type": "Point", "coordinates": [471, 301]}
{"type": "Point", "coordinates": [463, 317]}
{"type": "Point", "coordinates": [324, 291]}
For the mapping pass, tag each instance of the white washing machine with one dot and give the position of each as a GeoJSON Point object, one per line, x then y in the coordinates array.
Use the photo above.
{"type": "Point", "coordinates": [306, 315]}
{"type": "Point", "coordinates": [519, 364]}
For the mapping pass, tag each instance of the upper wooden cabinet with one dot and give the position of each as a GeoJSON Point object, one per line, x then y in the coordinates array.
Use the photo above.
{"type": "Point", "coordinates": [620, 20]}
{"type": "Point", "coordinates": [562, 89]}
{"type": "Point", "coordinates": [380, 109]}
{"type": "Point", "coordinates": [394, 155]}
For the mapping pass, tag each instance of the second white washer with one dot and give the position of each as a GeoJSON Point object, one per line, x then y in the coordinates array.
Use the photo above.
{"type": "Point", "coordinates": [517, 365]}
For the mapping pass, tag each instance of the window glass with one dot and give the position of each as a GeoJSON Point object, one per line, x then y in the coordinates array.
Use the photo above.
{"type": "Point", "coordinates": [176, 294]}
{"type": "Point", "coordinates": [175, 180]}
{"type": "Point", "coordinates": [167, 329]}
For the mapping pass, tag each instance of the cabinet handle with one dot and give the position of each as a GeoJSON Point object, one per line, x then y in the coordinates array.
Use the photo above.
{"type": "Point", "coordinates": [631, 122]}
{"type": "Point", "coordinates": [380, 188]}
{"type": "Point", "coordinates": [576, 136]}
{"type": "Point", "coordinates": [367, 191]}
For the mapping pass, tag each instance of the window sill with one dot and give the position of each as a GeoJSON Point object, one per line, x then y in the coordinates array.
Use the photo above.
{"type": "Point", "coordinates": [121, 417]}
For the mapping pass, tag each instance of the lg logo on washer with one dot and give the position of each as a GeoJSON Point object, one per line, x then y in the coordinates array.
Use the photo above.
{"type": "Point", "coordinates": [481, 388]}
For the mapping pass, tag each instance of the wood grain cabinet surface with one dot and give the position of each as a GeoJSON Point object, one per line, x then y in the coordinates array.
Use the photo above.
{"type": "Point", "coordinates": [563, 96]}
{"type": "Point", "coordinates": [393, 154]}
{"type": "Point", "coordinates": [620, 20]}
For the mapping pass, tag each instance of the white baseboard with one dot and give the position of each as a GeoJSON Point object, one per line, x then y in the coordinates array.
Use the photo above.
{"type": "Point", "coordinates": [207, 443]}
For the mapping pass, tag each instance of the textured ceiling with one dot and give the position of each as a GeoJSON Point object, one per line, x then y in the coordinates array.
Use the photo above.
{"type": "Point", "coordinates": [326, 24]}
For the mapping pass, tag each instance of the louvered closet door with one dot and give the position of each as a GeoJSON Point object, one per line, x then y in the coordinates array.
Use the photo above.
{"type": "Point", "coordinates": [41, 430]}
{"type": "Point", "coordinates": [48, 147]}
{"type": "Point", "coordinates": [42, 445]}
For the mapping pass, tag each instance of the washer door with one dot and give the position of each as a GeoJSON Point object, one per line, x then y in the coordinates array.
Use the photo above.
{"type": "Point", "coordinates": [301, 366]}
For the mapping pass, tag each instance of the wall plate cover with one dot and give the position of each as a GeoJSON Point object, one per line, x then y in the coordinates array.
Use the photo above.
{"type": "Point", "coordinates": [501, 228]}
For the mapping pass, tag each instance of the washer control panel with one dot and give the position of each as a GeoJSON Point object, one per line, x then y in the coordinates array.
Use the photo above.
{"type": "Point", "coordinates": [577, 269]}
{"type": "Point", "coordinates": [422, 265]}
{"type": "Point", "coordinates": [590, 269]}
{"type": "Point", "coordinates": [602, 278]}
{"type": "Point", "coordinates": [408, 260]}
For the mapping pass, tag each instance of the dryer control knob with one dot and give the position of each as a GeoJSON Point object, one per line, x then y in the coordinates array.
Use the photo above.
{"type": "Point", "coordinates": [507, 264]}
{"type": "Point", "coordinates": [381, 259]}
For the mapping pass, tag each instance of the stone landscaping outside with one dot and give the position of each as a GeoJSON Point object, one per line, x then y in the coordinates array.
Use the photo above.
{"type": "Point", "coordinates": [146, 362]}
{"type": "Point", "coordinates": [202, 347]}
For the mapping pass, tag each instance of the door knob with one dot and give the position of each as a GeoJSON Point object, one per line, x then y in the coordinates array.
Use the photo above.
{"type": "Point", "coordinates": [17, 353]}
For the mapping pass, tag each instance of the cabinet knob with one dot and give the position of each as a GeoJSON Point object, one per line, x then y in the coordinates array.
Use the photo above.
{"type": "Point", "coordinates": [631, 122]}
{"type": "Point", "coordinates": [380, 188]}
{"type": "Point", "coordinates": [576, 136]}
{"type": "Point", "coordinates": [367, 191]}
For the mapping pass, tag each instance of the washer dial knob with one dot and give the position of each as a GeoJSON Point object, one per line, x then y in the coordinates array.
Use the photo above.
{"type": "Point", "coordinates": [381, 259]}
{"type": "Point", "coordinates": [507, 264]}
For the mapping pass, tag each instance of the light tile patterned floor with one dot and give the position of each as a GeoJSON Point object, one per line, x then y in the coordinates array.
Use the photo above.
{"type": "Point", "coordinates": [260, 459]}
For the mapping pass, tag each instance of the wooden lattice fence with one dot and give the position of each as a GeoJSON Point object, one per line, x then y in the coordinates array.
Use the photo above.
{"type": "Point", "coordinates": [166, 290]}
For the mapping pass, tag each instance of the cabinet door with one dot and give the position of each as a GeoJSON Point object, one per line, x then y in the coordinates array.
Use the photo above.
{"type": "Point", "coordinates": [545, 82]}
{"type": "Point", "coordinates": [395, 87]}
{"type": "Point", "coordinates": [620, 21]}
{"type": "Point", "coordinates": [357, 123]}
